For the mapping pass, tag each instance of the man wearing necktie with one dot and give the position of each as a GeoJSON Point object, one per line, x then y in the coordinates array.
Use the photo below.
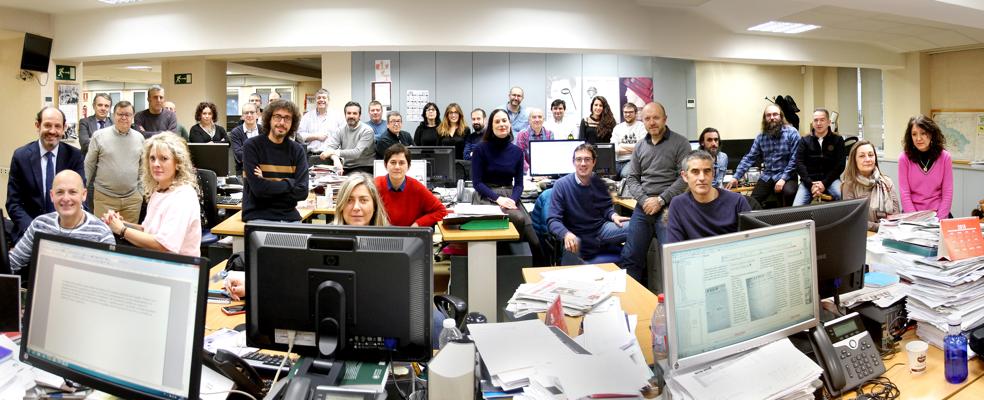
{"type": "Point", "coordinates": [33, 168]}
{"type": "Point", "coordinates": [101, 104]}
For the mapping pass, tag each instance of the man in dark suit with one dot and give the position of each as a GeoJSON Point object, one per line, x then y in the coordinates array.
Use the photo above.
{"type": "Point", "coordinates": [88, 126]}
{"type": "Point", "coordinates": [33, 168]}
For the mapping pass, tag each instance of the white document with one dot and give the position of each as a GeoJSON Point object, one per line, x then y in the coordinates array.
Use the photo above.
{"type": "Point", "coordinates": [477, 209]}
{"type": "Point", "coordinates": [213, 385]}
{"type": "Point", "coordinates": [606, 332]}
{"type": "Point", "coordinates": [581, 375]}
{"type": "Point", "coordinates": [509, 346]}
{"type": "Point", "coordinates": [776, 369]}
{"type": "Point", "coordinates": [612, 280]}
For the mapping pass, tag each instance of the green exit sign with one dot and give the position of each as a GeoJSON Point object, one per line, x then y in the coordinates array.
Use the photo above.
{"type": "Point", "coordinates": [65, 72]}
{"type": "Point", "coordinates": [182, 79]}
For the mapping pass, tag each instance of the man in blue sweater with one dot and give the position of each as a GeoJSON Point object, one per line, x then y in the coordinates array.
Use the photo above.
{"type": "Point", "coordinates": [581, 209]}
{"type": "Point", "coordinates": [275, 168]}
{"type": "Point", "coordinates": [705, 210]}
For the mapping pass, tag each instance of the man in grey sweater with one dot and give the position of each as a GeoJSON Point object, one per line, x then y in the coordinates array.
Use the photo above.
{"type": "Point", "coordinates": [353, 147]}
{"type": "Point", "coordinates": [112, 165]}
{"type": "Point", "coordinates": [653, 180]}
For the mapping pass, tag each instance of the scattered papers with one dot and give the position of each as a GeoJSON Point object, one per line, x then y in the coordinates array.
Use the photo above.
{"type": "Point", "coordinates": [477, 209]}
{"type": "Point", "coordinates": [613, 281]}
{"type": "Point", "coordinates": [577, 297]}
{"type": "Point", "coordinates": [228, 339]}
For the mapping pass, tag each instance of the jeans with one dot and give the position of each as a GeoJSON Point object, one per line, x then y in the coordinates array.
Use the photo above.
{"type": "Point", "coordinates": [609, 236]}
{"type": "Point", "coordinates": [620, 168]}
{"type": "Point", "coordinates": [644, 227]}
{"type": "Point", "coordinates": [803, 195]}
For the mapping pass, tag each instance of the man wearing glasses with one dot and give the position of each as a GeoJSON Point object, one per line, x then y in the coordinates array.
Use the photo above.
{"type": "Point", "coordinates": [394, 134]}
{"type": "Point", "coordinates": [275, 167]}
{"type": "Point", "coordinates": [581, 210]}
{"type": "Point", "coordinates": [247, 130]}
{"type": "Point", "coordinates": [112, 165]}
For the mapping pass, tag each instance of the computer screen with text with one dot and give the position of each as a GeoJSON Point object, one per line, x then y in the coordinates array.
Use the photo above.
{"type": "Point", "coordinates": [127, 322]}
{"type": "Point", "coordinates": [734, 292]}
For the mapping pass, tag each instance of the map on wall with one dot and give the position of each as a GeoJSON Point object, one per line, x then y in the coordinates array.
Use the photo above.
{"type": "Point", "coordinates": [964, 133]}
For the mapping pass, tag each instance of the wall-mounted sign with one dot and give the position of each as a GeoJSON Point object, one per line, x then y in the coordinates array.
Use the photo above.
{"type": "Point", "coordinates": [64, 72]}
{"type": "Point", "coordinates": [182, 79]}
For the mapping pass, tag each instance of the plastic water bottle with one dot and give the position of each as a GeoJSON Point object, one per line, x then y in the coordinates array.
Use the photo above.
{"type": "Point", "coordinates": [955, 352]}
{"type": "Point", "coordinates": [450, 332]}
{"type": "Point", "coordinates": [657, 326]}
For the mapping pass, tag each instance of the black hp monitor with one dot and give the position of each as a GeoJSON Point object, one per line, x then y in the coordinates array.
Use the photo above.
{"type": "Point", "coordinates": [440, 164]}
{"type": "Point", "coordinates": [211, 156]}
{"type": "Point", "coordinates": [841, 236]}
{"type": "Point", "coordinates": [346, 292]}
{"type": "Point", "coordinates": [122, 320]}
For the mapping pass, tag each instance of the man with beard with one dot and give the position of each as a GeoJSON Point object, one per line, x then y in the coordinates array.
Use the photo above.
{"type": "Point", "coordinates": [478, 129]}
{"type": "Point", "coordinates": [710, 141]}
{"type": "Point", "coordinates": [352, 148]}
{"type": "Point", "coordinates": [776, 149]}
{"type": "Point", "coordinates": [275, 167]}
{"type": "Point", "coordinates": [517, 113]}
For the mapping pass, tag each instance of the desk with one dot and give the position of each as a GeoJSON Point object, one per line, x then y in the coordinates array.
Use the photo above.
{"type": "Point", "coordinates": [636, 300]}
{"type": "Point", "coordinates": [235, 227]}
{"type": "Point", "coordinates": [931, 384]}
{"type": "Point", "coordinates": [215, 319]}
{"type": "Point", "coordinates": [481, 264]}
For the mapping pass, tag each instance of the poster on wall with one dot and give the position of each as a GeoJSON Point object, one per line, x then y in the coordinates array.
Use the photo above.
{"type": "Point", "coordinates": [382, 92]}
{"type": "Point", "coordinates": [606, 86]}
{"type": "Point", "coordinates": [68, 103]}
{"type": "Point", "coordinates": [382, 68]}
{"type": "Point", "coordinates": [636, 90]}
{"type": "Point", "coordinates": [416, 100]}
{"type": "Point", "coordinates": [568, 89]}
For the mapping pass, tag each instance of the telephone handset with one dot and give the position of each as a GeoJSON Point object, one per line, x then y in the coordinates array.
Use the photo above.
{"type": "Point", "coordinates": [846, 352]}
{"type": "Point", "coordinates": [231, 366]}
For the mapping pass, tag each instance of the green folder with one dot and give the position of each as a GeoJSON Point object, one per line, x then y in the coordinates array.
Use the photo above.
{"type": "Point", "coordinates": [485, 224]}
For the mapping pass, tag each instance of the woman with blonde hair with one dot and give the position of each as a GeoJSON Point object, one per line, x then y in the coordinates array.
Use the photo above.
{"type": "Point", "coordinates": [359, 203]}
{"type": "Point", "coordinates": [862, 179]}
{"type": "Point", "coordinates": [173, 221]}
{"type": "Point", "coordinates": [453, 130]}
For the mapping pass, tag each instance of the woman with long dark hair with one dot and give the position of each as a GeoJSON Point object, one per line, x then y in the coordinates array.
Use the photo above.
{"type": "Point", "coordinates": [597, 127]}
{"type": "Point", "coordinates": [925, 169]}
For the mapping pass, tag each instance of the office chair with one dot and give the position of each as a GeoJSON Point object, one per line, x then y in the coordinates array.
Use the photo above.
{"type": "Point", "coordinates": [208, 183]}
{"type": "Point", "coordinates": [848, 143]}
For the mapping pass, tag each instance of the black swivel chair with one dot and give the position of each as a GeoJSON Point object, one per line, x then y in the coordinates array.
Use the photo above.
{"type": "Point", "coordinates": [208, 184]}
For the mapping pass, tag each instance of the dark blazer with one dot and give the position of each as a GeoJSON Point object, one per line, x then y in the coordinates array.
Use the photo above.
{"type": "Point", "coordinates": [25, 187]}
{"type": "Point", "coordinates": [88, 127]}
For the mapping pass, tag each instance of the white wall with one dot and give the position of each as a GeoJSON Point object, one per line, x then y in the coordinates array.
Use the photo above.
{"type": "Point", "coordinates": [312, 26]}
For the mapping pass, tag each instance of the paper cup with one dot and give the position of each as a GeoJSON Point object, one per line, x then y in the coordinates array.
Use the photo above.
{"type": "Point", "coordinates": [917, 356]}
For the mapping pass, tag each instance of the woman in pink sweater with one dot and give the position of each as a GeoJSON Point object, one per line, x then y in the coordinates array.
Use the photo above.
{"type": "Point", "coordinates": [925, 169]}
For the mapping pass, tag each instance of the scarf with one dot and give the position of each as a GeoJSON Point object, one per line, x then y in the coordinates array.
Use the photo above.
{"type": "Point", "coordinates": [880, 199]}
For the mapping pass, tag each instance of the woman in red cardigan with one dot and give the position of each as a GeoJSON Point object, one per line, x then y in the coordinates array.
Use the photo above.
{"type": "Point", "coordinates": [407, 201]}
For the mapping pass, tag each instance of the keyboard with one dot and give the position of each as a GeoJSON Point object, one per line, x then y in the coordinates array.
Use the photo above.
{"type": "Point", "coordinates": [267, 362]}
{"type": "Point", "coordinates": [228, 200]}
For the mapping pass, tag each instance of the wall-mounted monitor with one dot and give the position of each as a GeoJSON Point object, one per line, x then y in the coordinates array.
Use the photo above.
{"type": "Point", "coordinates": [36, 54]}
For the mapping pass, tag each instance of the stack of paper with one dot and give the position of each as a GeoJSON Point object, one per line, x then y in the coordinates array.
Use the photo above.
{"type": "Point", "coordinates": [577, 297]}
{"type": "Point", "coordinates": [774, 371]}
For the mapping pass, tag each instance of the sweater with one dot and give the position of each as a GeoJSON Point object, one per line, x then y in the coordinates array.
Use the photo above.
{"type": "Point", "coordinates": [388, 139]}
{"type": "Point", "coordinates": [926, 191]}
{"type": "Point", "coordinates": [690, 219]}
{"type": "Point", "coordinates": [356, 146]}
{"type": "Point", "coordinates": [285, 179]}
{"type": "Point", "coordinates": [656, 167]}
{"type": "Point", "coordinates": [500, 163]}
{"type": "Point", "coordinates": [425, 135]}
{"type": "Point", "coordinates": [151, 124]}
{"type": "Point", "coordinates": [579, 209]}
{"type": "Point", "coordinates": [412, 204]}
{"type": "Point", "coordinates": [91, 229]}
{"type": "Point", "coordinates": [112, 164]}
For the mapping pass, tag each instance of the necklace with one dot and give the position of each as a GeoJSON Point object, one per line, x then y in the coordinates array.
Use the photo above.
{"type": "Point", "coordinates": [924, 164]}
{"type": "Point", "coordinates": [62, 230]}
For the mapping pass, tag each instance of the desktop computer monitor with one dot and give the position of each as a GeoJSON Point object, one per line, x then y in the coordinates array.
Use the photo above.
{"type": "Point", "coordinates": [440, 163]}
{"type": "Point", "coordinates": [736, 150]}
{"type": "Point", "coordinates": [605, 164]}
{"type": "Point", "coordinates": [554, 158]}
{"type": "Point", "coordinates": [122, 320]}
{"type": "Point", "coordinates": [731, 293]}
{"type": "Point", "coordinates": [210, 156]}
{"type": "Point", "coordinates": [349, 292]}
{"type": "Point", "coordinates": [842, 234]}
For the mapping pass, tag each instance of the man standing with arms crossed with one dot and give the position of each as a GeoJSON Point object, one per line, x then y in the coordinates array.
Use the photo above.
{"type": "Point", "coordinates": [113, 166]}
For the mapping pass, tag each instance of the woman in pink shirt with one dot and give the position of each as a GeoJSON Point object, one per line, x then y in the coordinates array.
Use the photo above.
{"type": "Point", "coordinates": [925, 169]}
{"type": "Point", "coordinates": [173, 221]}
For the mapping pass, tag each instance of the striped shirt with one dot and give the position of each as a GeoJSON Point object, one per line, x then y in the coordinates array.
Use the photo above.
{"type": "Point", "coordinates": [92, 229]}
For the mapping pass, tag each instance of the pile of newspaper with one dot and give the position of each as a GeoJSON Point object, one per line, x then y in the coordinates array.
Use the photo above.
{"type": "Point", "coordinates": [581, 289]}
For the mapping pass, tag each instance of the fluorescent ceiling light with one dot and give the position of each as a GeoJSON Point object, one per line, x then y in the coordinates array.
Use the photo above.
{"type": "Point", "coordinates": [975, 4]}
{"type": "Point", "coordinates": [783, 27]}
{"type": "Point", "coordinates": [138, 67]}
{"type": "Point", "coordinates": [114, 2]}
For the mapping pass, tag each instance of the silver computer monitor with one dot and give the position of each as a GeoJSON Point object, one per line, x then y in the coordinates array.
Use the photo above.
{"type": "Point", "coordinates": [731, 293]}
{"type": "Point", "coordinates": [552, 157]}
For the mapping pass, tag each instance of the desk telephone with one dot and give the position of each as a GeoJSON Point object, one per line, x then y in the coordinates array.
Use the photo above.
{"type": "Point", "coordinates": [846, 352]}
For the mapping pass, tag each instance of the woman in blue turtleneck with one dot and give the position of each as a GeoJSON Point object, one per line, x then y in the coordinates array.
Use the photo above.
{"type": "Point", "coordinates": [497, 174]}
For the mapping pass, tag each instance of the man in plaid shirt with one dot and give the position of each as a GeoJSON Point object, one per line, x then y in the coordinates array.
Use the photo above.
{"type": "Point", "coordinates": [776, 148]}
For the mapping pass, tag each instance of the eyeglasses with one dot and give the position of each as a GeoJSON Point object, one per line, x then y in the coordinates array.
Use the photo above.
{"type": "Point", "coordinates": [395, 121]}
{"type": "Point", "coordinates": [249, 112]}
{"type": "Point", "coordinates": [124, 116]}
{"type": "Point", "coordinates": [278, 118]}
{"type": "Point", "coordinates": [583, 159]}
